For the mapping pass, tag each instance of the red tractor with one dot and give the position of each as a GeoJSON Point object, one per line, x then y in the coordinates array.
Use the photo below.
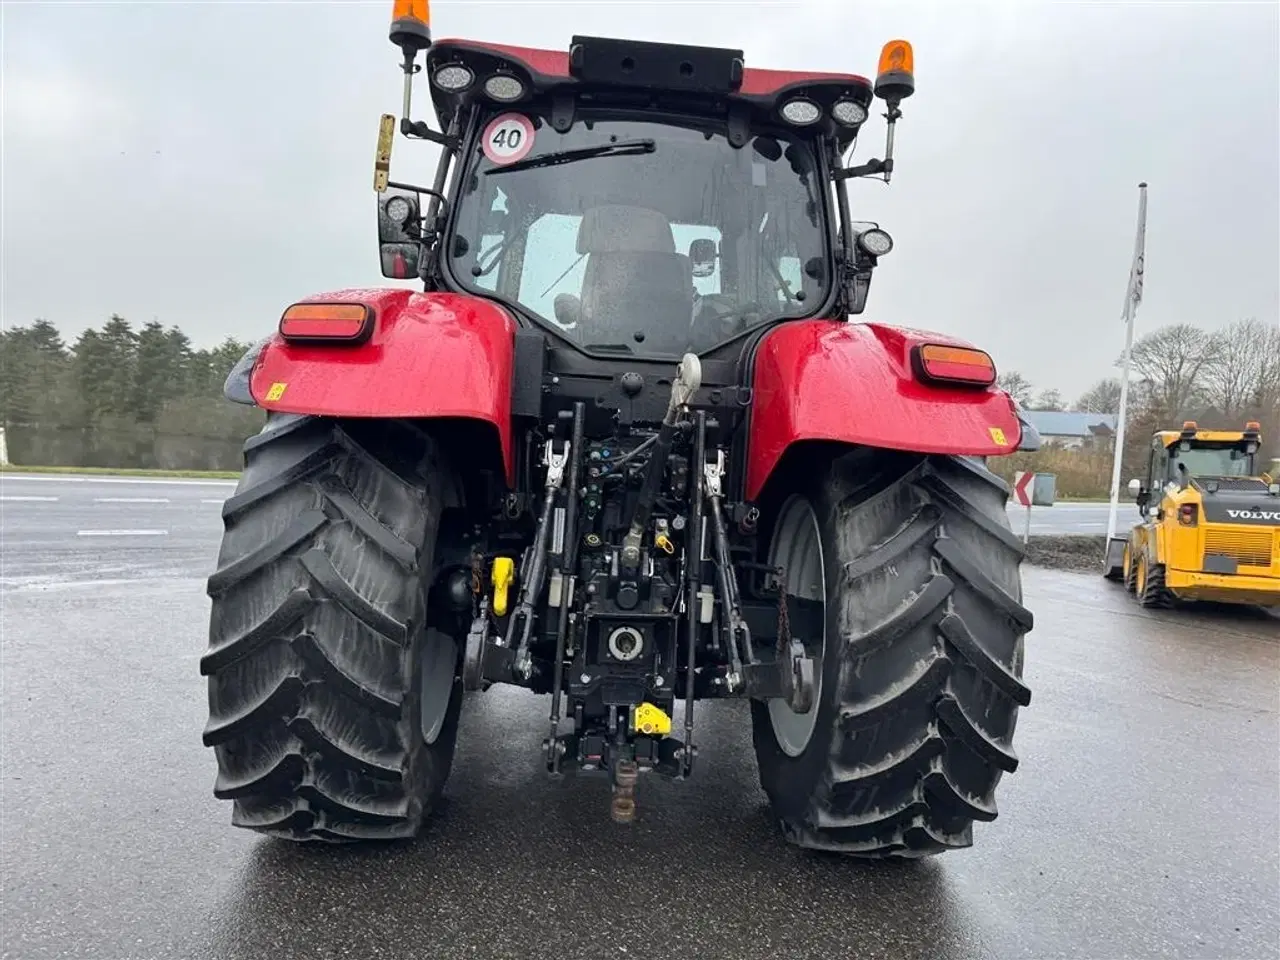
{"type": "Point", "coordinates": [624, 447]}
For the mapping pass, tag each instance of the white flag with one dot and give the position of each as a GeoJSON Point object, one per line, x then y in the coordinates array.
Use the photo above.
{"type": "Point", "coordinates": [1134, 292]}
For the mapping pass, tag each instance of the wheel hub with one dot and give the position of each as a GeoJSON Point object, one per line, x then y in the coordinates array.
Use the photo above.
{"type": "Point", "coordinates": [439, 658]}
{"type": "Point", "coordinates": [797, 550]}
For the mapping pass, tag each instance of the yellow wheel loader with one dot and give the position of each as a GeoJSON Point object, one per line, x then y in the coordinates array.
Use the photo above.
{"type": "Point", "coordinates": [1210, 525]}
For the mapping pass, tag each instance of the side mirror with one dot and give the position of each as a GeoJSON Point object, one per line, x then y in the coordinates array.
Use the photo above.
{"type": "Point", "coordinates": [1135, 488]}
{"type": "Point", "coordinates": [400, 233]}
{"type": "Point", "coordinates": [401, 261]}
{"type": "Point", "coordinates": [703, 254]}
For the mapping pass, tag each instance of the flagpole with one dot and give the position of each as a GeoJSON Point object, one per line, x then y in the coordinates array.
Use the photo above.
{"type": "Point", "coordinates": [1133, 295]}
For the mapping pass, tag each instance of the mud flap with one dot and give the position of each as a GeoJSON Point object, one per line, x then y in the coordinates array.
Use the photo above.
{"type": "Point", "coordinates": [236, 387]}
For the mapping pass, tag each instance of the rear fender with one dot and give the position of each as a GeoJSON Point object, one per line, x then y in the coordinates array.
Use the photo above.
{"type": "Point", "coordinates": [431, 355]}
{"type": "Point", "coordinates": [854, 383]}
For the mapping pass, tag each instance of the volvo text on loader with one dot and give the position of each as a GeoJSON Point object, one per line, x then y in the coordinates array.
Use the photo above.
{"type": "Point", "coordinates": [623, 447]}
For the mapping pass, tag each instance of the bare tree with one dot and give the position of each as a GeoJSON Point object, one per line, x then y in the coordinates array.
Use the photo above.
{"type": "Point", "coordinates": [1268, 387]}
{"type": "Point", "coordinates": [1017, 386]}
{"type": "Point", "coordinates": [1267, 401]}
{"type": "Point", "coordinates": [1236, 376]}
{"type": "Point", "coordinates": [1102, 397]}
{"type": "Point", "coordinates": [1048, 400]}
{"type": "Point", "coordinates": [1172, 361]}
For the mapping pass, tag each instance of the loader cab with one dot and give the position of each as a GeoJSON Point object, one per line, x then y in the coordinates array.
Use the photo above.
{"type": "Point", "coordinates": [1180, 458]}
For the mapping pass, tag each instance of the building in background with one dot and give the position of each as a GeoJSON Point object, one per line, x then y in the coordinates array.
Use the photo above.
{"type": "Point", "coordinates": [1073, 430]}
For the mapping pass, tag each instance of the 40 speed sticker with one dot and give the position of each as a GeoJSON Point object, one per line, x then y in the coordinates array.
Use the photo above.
{"type": "Point", "coordinates": [508, 138]}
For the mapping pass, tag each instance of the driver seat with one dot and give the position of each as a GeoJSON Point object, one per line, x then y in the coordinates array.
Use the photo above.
{"type": "Point", "coordinates": [634, 279]}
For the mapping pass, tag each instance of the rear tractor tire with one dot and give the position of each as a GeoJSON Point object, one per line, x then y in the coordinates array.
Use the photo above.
{"type": "Point", "coordinates": [333, 707]}
{"type": "Point", "coordinates": [921, 664]}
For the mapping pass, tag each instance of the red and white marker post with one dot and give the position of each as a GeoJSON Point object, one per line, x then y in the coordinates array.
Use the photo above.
{"type": "Point", "coordinates": [1022, 481]}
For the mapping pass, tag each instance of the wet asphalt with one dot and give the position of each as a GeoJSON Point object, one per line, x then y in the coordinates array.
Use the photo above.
{"type": "Point", "coordinates": [1144, 820]}
{"type": "Point", "coordinates": [53, 510]}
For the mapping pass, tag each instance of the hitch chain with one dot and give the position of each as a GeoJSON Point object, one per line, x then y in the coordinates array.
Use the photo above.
{"type": "Point", "coordinates": [784, 617]}
{"type": "Point", "coordinates": [798, 673]}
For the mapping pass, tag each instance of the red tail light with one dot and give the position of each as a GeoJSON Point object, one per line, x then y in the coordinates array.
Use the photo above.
{"type": "Point", "coordinates": [947, 364]}
{"type": "Point", "coordinates": [327, 322]}
{"type": "Point", "coordinates": [1188, 514]}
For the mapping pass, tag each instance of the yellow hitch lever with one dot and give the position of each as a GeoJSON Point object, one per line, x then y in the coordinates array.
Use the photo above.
{"type": "Point", "coordinates": [503, 573]}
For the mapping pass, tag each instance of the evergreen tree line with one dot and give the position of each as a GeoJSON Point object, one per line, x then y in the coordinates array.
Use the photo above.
{"type": "Point", "coordinates": [120, 397]}
{"type": "Point", "coordinates": [1220, 379]}
{"type": "Point", "coordinates": [125, 397]}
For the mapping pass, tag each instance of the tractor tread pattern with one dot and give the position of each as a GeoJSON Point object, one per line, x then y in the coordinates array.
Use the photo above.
{"type": "Point", "coordinates": [317, 600]}
{"type": "Point", "coordinates": [957, 632]}
{"type": "Point", "coordinates": [238, 646]}
{"type": "Point", "coordinates": [928, 696]}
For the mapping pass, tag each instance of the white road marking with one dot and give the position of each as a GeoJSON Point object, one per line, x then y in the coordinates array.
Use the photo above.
{"type": "Point", "coordinates": [30, 499]}
{"type": "Point", "coordinates": [122, 533]}
{"type": "Point", "coordinates": [130, 499]}
{"type": "Point", "coordinates": [213, 501]}
{"type": "Point", "coordinates": [49, 583]}
{"type": "Point", "coordinates": [1014, 505]}
{"type": "Point", "coordinates": [173, 481]}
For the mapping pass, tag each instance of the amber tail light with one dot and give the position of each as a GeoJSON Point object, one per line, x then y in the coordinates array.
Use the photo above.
{"type": "Point", "coordinates": [327, 323]}
{"type": "Point", "coordinates": [939, 363]}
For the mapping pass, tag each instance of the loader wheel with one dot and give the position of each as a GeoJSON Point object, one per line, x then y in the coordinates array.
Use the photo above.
{"type": "Point", "coordinates": [920, 682]}
{"type": "Point", "coordinates": [333, 708]}
{"type": "Point", "coordinates": [1149, 585]}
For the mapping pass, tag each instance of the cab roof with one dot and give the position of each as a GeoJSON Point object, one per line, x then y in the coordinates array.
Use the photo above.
{"type": "Point", "coordinates": [600, 66]}
{"type": "Point", "coordinates": [1169, 437]}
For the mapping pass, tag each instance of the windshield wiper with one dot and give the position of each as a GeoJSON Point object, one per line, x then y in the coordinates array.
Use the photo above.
{"type": "Point", "coordinates": [624, 148]}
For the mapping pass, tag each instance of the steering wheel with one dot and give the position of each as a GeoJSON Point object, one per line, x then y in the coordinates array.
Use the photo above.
{"type": "Point", "coordinates": [724, 315]}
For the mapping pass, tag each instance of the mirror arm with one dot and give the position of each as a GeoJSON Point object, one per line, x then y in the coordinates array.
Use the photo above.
{"type": "Point", "coordinates": [414, 188]}
{"type": "Point", "coordinates": [871, 168]}
{"type": "Point", "coordinates": [418, 130]}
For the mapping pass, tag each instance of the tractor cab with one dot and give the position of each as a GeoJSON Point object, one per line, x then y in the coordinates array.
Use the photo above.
{"type": "Point", "coordinates": [636, 200]}
{"type": "Point", "coordinates": [1211, 520]}
{"type": "Point", "coordinates": [658, 240]}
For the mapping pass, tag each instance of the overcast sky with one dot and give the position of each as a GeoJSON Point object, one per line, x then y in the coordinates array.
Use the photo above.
{"type": "Point", "coordinates": [206, 164]}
